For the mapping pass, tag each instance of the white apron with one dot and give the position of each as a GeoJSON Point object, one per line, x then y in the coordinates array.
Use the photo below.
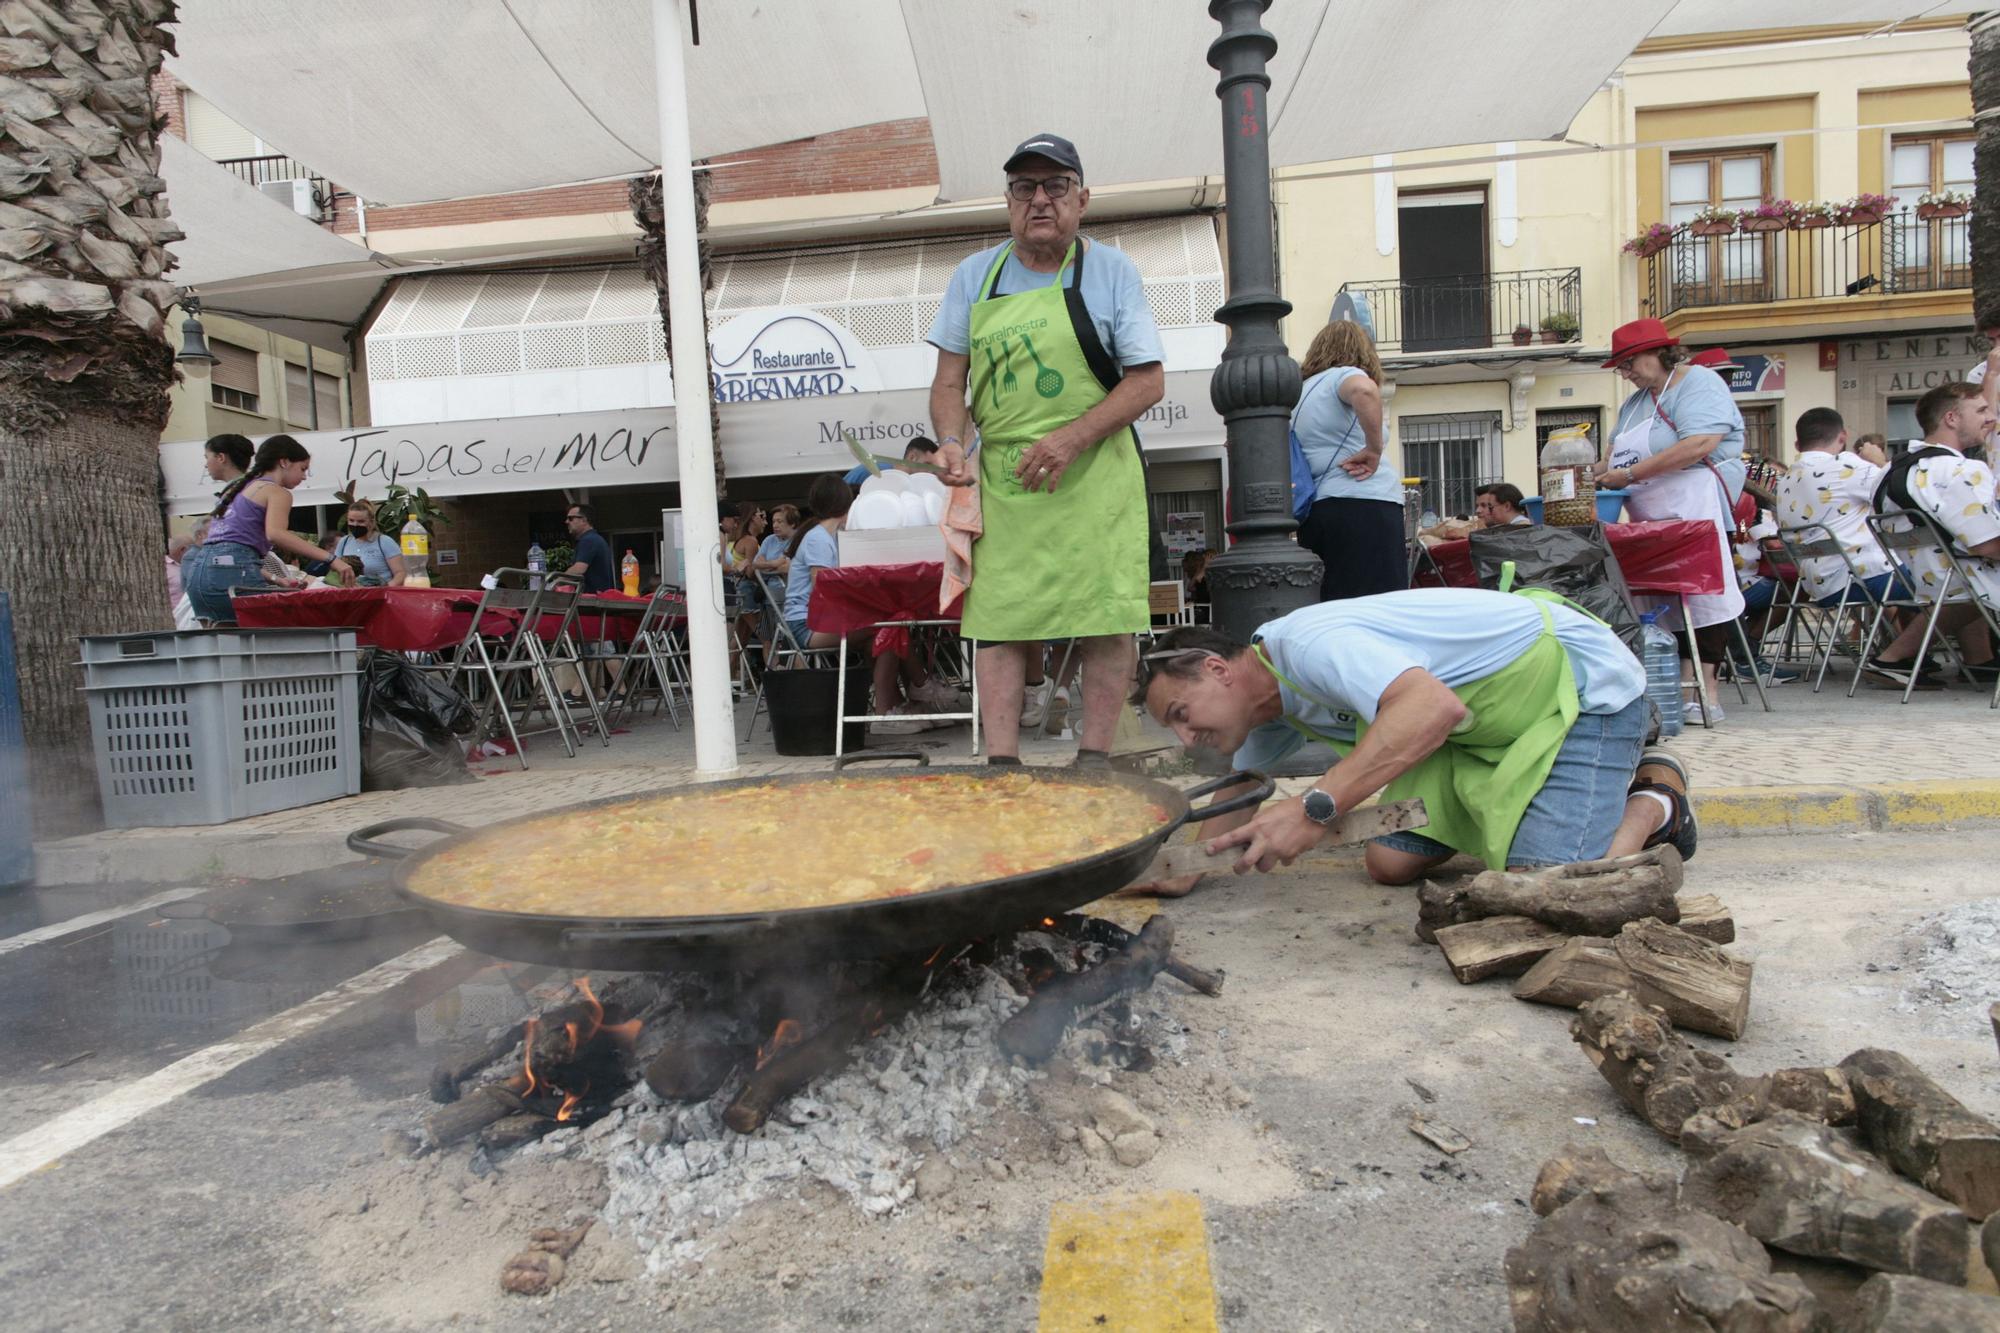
{"type": "Point", "coordinates": [1691, 493]}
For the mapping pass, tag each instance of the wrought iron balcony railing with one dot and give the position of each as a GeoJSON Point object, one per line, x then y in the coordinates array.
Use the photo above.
{"type": "Point", "coordinates": [1474, 310]}
{"type": "Point", "coordinates": [1900, 253]}
{"type": "Point", "coordinates": [259, 171]}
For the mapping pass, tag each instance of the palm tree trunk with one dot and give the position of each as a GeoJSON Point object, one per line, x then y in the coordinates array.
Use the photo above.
{"type": "Point", "coordinates": [1984, 66]}
{"type": "Point", "coordinates": [84, 362]}
{"type": "Point", "coordinates": [644, 193]}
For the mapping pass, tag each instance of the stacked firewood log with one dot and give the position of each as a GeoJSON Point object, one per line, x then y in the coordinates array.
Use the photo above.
{"type": "Point", "coordinates": [1867, 1166]}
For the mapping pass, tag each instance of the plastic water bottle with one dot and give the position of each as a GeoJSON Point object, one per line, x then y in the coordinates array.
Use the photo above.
{"type": "Point", "coordinates": [416, 555]}
{"type": "Point", "coordinates": [538, 563]}
{"type": "Point", "coordinates": [628, 574]}
{"type": "Point", "coordinates": [1663, 673]}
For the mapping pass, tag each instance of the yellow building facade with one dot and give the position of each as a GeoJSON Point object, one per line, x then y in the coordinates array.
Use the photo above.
{"type": "Point", "coordinates": [1494, 274]}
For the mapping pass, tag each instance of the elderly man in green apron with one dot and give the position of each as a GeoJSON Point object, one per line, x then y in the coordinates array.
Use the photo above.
{"type": "Point", "coordinates": [1051, 336]}
{"type": "Point", "coordinates": [1519, 719]}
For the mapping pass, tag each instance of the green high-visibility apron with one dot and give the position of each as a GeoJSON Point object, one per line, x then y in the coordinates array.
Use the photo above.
{"type": "Point", "coordinates": [1478, 784]}
{"type": "Point", "coordinates": [1071, 564]}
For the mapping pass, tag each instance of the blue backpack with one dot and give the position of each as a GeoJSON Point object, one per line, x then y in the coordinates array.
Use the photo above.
{"type": "Point", "coordinates": [1305, 485]}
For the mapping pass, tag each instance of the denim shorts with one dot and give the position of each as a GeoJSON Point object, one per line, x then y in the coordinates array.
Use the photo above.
{"type": "Point", "coordinates": [800, 631]}
{"type": "Point", "coordinates": [1894, 585]}
{"type": "Point", "coordinates": [1576, 813]}
{"type": "Point", "coordinates": [209, 572]}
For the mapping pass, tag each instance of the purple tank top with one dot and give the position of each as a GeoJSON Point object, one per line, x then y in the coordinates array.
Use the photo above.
{"type": "Point", "coordinates": [242, 522]}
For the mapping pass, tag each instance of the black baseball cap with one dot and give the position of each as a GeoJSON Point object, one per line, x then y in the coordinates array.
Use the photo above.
{"type": "Point", "coordinates": [1051, 146]}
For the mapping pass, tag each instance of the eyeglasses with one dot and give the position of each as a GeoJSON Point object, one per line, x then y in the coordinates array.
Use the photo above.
{"type": "Point", "coordinates": [1023, 190]}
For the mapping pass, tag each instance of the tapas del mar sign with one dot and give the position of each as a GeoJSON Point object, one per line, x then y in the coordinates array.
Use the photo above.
{"type": "Point", "coordinates": [785, 352]}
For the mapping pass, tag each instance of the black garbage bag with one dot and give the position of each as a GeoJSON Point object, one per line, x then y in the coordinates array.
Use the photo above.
{"type": "Point", "coordinates": [410, 721]}
{"type": "Point", "coordinates": [1575, 562]}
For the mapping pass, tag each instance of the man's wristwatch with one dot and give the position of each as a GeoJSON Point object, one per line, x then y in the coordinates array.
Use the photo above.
{"type": "Point", "coordinates": [1320, 807]}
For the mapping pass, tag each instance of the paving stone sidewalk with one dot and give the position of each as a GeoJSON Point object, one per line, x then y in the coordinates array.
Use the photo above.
{"type": "Point", "coordinates": [1808, 741]}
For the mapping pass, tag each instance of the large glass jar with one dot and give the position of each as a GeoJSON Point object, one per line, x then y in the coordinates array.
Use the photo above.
{"type": "Point", "coordinates": [1569, 478]}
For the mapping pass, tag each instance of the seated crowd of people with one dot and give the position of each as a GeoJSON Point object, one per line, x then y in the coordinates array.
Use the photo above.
{"type": "Point", "coordinates": [1833, 488]}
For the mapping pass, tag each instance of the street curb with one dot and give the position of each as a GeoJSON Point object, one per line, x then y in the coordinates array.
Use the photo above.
{"type": "Point", "coordinates": [1880, 807]}
{"type": "Point", "coordinates": [192, 855]}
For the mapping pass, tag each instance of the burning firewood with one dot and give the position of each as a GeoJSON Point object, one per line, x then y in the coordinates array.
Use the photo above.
{"type": "Point", "coordinates": [1925, 1132]}
{"type": "Point", "coordinates": [790, 1060]}
{"type": "Point", "coordinates": [562, 1052]}
{"type": "Point", "coordinates": [1037, 1030]}
{"type": "Point", "coordinates": [1111, 935]}
{"type": "Point", "coordinates": [1692, 981]}
{"type": "Point", "coordinates": [1801, 1187]}
{"type": "Point", "coordinates": [461, 1064]}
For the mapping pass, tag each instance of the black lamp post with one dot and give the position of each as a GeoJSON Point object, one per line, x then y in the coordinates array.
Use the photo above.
{"type": "Point", "coordinates": [1265, 574]}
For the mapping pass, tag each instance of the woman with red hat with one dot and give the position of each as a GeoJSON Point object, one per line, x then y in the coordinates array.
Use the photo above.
{"type": "Point", "coordinates": [1678, 451]}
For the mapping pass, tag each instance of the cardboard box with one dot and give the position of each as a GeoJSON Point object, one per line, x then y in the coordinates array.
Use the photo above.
{"type": "Point", "coordinates": [891, 546]}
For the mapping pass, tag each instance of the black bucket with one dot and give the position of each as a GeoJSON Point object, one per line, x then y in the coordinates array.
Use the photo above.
{"type": "Point", "coordinates": [801, 700]}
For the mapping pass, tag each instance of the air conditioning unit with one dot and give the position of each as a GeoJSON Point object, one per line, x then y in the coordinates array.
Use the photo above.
{"type": "Point", "coordinates": [296, 195]}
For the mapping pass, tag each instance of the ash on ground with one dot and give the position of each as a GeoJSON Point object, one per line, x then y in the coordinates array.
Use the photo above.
{"type": "Point", "coordinates": [926, 1083]}
{"type": "Point", "coordinates": [1954, 963]}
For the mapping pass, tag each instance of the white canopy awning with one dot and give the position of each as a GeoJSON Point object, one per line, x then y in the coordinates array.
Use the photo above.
{"type": "Point", "coordinates": [405, 102]}
{"type": "Point", "coordinates": [249, 256]}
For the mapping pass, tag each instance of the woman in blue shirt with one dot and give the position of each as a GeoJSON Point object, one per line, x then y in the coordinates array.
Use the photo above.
{"type": "Point", "coordinates": [1356, 523]}
{"type": "Point", "coordinates": [379, 555]}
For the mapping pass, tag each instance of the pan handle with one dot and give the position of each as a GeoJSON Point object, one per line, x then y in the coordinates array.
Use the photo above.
{"type": "Point", "coordinates": [362, 840]}
{"type": "Point", "coordinates": [1258, 796]}
{"type": "Point", "coordinates": [867, 756]}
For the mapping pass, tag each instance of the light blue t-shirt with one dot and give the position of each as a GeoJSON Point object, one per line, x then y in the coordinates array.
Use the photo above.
{"type": "Point", "coordinates": [1112, 293]}
{"type": "Point", "coordinates": [1329, 432]}
{"type": "Point", "coordinates": [373, 555]}
{"type": "Point", "coordinates": [818, 548]}
{"type": "Point", "coordinates": [1344, 654]}
{"type": "Point", "coordinates": [1698, 404]}
{"type": "Point", "coordinates": [772, 547]}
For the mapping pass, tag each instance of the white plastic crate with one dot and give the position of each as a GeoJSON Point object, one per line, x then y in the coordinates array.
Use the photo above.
{"type": "Point", "coordinates": [206, 726]}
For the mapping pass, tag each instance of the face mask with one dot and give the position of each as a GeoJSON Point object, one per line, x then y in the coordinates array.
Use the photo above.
{"type": "Point", "coordinates": [357, 529]}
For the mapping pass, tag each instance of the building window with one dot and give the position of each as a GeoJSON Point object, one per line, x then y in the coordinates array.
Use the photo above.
{"type": "Point", "coordinates": [1737, 178]}
{"type": "Point", "coordinates": [1940, 249]}
{"type": "Point", "coordinates": [299, 410]}
{"type": "Point", "coordinates": [1455, 455]}
{"type": "Point", "coordinates": [1760, 432]}
{"type": "Point", "coordinates": [233, 381]}
{"type": "Point", "coordinates": [1562, 418]}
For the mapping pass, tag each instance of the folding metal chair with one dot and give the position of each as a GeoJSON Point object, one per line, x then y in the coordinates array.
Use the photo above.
{"type": "Point", "coordinates": [1910, 530]}
{"type": "Point", "coordinates": [786, 650]}
{"type": "Point", "coordinates": [648, 663]}
{"type": "Point", "coordinates": [507, 666]}
{"type": "Point", "coordinates": [1815, 541]}
{"type": "Point", "coordinates": [560, 598]}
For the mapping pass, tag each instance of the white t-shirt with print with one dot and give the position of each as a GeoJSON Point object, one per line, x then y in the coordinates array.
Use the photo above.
{"type": "Point", "coordinates": [1836, 491]}
{"type": "Point", "coordinates": [1958, 493]}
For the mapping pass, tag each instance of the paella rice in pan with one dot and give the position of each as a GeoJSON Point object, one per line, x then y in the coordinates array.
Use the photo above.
{"type": "Point", "coordinates": [771, 847]}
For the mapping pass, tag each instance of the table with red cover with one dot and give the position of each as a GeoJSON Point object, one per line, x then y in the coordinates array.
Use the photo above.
{"type": "Point", "coordinates": [854, 597]}
{"type": "Point", "coordinates": [1671, 556]}
{"type": "Point", "coordinates": [412, 620]}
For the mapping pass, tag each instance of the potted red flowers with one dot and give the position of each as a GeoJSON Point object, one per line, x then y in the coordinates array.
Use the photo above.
{"type": "Point", "coordinates": [1650, 241]}
{"type": "Point", "coordinates": [1771, 215]}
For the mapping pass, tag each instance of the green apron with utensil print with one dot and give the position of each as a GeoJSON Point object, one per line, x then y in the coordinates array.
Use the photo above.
{"type": "Point", "coordinates": [1479, 783]}
{"type": "Point", "coordinates": [1071, 564]}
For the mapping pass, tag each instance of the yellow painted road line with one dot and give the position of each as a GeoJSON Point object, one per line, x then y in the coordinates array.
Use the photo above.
{"type": "Point", "coordinates": [1137, 1264]}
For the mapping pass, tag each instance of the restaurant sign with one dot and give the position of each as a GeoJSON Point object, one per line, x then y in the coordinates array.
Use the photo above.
{"type": "Point", "coordinates": [763, 437]}
{"type": "Point", "coordinates": [785, 352]}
